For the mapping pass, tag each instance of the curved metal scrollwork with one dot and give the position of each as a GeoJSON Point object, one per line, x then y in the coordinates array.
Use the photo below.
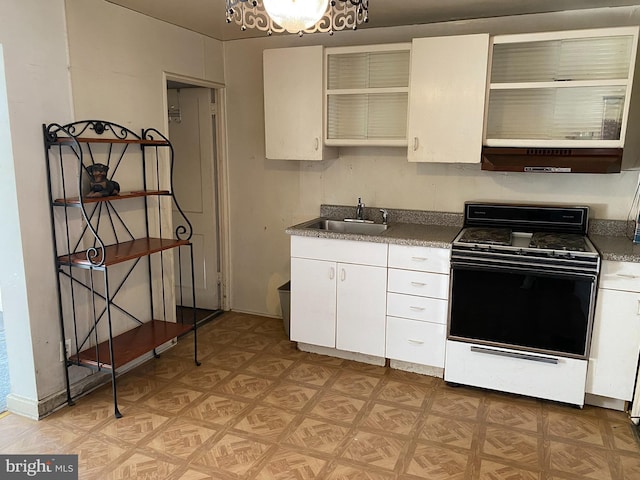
{"type": "Point", "coordinates": [71, 135]}
{"type": "Point", "coordinates": [101, 128]}
{"type": "Point", "coordinates": [182, 231]}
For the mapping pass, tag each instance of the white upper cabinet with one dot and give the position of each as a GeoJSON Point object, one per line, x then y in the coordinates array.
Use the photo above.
{"type": "Point", "coordinates": [366, 95]}
{"type": "Point", "coordinates": [561, 89]}
{"type": "Point", "coordinates": [293, 88]}
{"type": "Point", "coordinates": [447, 98]}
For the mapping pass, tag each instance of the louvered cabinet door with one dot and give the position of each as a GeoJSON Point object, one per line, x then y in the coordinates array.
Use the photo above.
{"type": "Point", "coordinates": [366, 95]}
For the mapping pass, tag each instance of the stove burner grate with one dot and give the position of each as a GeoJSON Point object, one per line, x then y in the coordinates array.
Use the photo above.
{"type": "Point", "coordinates": [491, 236]}
{"type": "Point", "coordinates": [558, 241]}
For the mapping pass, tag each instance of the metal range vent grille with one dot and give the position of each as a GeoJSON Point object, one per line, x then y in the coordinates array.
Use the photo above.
{"type": "Point", "coordinates": [562, 152]}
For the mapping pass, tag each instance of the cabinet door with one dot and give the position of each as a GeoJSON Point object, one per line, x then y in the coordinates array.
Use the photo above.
{"type": "Point", "coordinates": [361, 309]}
{"type": "Point", "coordinates": [446, 98]}
{"type": "Point", "coordinates": [615, 345]}
{"type": "Point", "coordinates": [293, 95]}
{"type": "Point", "coordinates": [313, 302]}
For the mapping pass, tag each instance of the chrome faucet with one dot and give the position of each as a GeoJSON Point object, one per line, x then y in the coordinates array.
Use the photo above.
{"type": "Point", "coordinates": [360, 209]}
{"type": "Point", "coordinates": [385, 216]}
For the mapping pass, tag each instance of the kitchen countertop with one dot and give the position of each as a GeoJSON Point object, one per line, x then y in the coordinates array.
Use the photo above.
{"type": "Point", "coordinates": [438, 229]}
{"type": "Point", "coordinates": [413, 234]}
{"type": "Point", "coordinates": [616, 248]}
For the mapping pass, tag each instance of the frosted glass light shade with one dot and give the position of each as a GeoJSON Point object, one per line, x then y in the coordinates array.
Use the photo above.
{"type": "Point", "coordinates": [296, 15]}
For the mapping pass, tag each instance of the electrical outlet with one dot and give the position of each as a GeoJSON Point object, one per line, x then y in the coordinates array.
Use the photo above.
{"type": "Point", "coordinates": [67, 344]}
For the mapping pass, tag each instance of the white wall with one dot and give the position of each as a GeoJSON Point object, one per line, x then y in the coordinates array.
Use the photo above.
{"type": "Point", "coordinates": [33, 37]}
{"type": "Point", "coordinates": [118, 58]}
{"type": "Point", "coordinates": [117, 63]}
{"type": "Point", "coordinates": [283, 193]}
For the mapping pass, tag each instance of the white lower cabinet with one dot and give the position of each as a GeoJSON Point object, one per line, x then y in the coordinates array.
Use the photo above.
{"type": "Point", "coordinates": [313, 302]}
{"type": "Point", "coordinates": [338, 294]}
{"type": "Point", "coordinates": [417, 299]}
{"type": "Point", "coordinates": [615, 342]}
{"type": "Point", "coordinates": [360, 310]}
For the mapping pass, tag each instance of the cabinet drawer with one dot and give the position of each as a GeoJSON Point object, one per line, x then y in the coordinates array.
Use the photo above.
{"type": "Point", "coordinates": [417, 308]}
{"type": "Point", "coordinates": [620, 276]}
{"type": "Point", "coordinates": [424, 284]}
{"type": "Point", "coordinates": [416, 342]}
{"type": "Point", "coordinates": [346, 251]}
{"type": "Point", "coordinates": [425, 259]}
{"type": "Point", "coordinates": [488, 367]}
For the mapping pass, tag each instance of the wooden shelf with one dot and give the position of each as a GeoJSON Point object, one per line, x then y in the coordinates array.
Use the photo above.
{"type": "Point", "coordinates": [75, 201]}
{"type": "Point", "coordinates": [136, 141]}
{"type": "Point", "coordinates": [131, 344]}
{"type": "Point", "coordinates": [123, 251]}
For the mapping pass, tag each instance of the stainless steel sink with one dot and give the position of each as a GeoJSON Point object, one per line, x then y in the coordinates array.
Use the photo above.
{"type": "Point", "coordinates": [342, 226]}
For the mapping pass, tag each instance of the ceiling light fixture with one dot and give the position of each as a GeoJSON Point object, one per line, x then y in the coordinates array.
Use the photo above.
{"type": "Point", "coordinates": [298, 16]}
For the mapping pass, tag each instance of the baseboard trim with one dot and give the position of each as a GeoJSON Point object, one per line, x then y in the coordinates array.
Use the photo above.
{"type": "Point", "coordinates": [417, 368]}
{"type": "Point", "coordinates": [39, 409]}
{"type": "Point", "coordinates": [333, 352]}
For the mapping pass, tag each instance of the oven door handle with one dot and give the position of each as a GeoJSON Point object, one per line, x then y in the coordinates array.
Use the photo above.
{"type": "Point", "coordinates": [520, 356]}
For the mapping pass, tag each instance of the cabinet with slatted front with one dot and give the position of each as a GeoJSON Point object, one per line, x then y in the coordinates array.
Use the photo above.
{"type": "Point", "coordinates": [366, 95]}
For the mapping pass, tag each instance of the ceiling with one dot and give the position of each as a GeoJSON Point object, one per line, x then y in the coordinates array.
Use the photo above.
{"type": "Point", "coordinates": [208, 16]}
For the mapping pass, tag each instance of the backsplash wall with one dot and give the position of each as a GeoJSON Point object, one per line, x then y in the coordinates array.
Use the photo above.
{"type": "Point", "coordinates": [267, 196]}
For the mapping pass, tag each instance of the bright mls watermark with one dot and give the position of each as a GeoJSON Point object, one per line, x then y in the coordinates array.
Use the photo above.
{"type": "Point", "coordinates": [52, 467]}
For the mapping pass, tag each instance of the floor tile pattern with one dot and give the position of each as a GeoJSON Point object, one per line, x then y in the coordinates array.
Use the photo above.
{"type": "Point", "coordinates": [259, 409]}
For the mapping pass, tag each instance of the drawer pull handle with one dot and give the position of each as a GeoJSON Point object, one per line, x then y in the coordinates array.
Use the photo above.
{"type": "Point", "coordinates": [419, 259]}
{"type": "Point", "coordinates": [415, 342]}
{"type": "Point", "coordinates": [418, 284]}
{"type": "Point", "coordinates": [317, 144]}
{"type": "Point", "coordinates": [520, 356]}
{"type": "Point", "coordinates": [332, 273]}
{"type": "Point", "coordinates": [416, 143]}
{"type": "Point", "coordinates": [626, 275]}
{"type": "Point", "coordinates": [417, 309]}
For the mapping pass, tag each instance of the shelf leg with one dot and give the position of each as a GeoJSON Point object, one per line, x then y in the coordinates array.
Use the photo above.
{"type": "Point", "coordinates": [113, 360]}
{"type": "Point", "coordinates": [193, 302]}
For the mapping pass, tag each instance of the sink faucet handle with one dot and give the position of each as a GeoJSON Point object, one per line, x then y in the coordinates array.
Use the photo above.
{"type": "Point", "coordinates": [360, 209]}
{"type": "Point", "coordinates": [385, 215]}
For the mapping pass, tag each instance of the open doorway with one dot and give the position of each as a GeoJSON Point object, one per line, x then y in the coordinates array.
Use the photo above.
{"type": "Point", "coordinates": [193, 128]}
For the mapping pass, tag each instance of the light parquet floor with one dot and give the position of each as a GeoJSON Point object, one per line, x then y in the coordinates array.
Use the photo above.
{"type": "Point", "coordinates": [259, 409]}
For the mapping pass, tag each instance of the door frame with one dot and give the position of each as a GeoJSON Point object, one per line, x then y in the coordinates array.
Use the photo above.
{"type": "Point", "coordinates": [222, 168]}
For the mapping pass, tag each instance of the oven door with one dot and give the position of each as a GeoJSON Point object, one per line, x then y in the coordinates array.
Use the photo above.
{"type": "Point", "coordinates": [522, 308]}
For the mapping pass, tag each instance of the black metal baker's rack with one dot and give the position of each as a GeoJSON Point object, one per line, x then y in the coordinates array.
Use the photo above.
{"type": "Point", "coordinates": [94, 236]}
